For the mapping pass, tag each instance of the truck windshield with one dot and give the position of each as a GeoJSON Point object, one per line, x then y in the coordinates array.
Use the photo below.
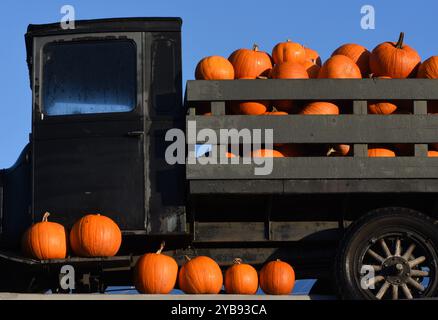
{"type": "Point", "coordinates": [89, 77]}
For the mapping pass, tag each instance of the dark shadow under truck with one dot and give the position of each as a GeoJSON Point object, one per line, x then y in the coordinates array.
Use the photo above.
{"type": "Point", "coordinates": [104, 96]}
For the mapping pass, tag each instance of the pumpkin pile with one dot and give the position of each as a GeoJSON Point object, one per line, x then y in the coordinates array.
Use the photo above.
{"type": "Point", "coordinates": [94, 235]}
{"type": "Point", "coordinates": [291, 60]}
{"type": "Point", "coordinates": [156, 273]}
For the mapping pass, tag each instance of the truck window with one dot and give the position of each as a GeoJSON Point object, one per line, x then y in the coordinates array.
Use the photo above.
{"type": "Point", "coordinates": [163, 76]}
{"type": "Point", "coordinates": [89, 77]}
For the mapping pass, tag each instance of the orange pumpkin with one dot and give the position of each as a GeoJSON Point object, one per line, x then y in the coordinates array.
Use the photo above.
{"type": "Point", "coordinates": [395, 60]}
{"type": "Point", "coordinates": [155, 273]}
{"type": "Point", "coordinates": [312, 68]}
{"type": "Point", "coordinates": [339, 150]}
{"type": "Point", "coordinates": [250, 107]}
{"type": "Point", "coordinates": [288, 52]}
{"type": "Point", "coordinates": [277, 277]}
{"type": "Point", "coordinates": [241, 278]}
{"type": "Point", "coordinates": [313, 55]}
{"type": "Point", "coordinates": [359, 54]}
{"type": "Point", "coordinates": [380, 152]}
{"type": "Point", "coordinates": [382, 107]}
{"type": "Point", "coordinates": [200, 275]}
{"type": "Point", "coordinates": [214, 68]}
{"type": "Point", "coordinates": [95, 235]}
{"type": "Point", "coordinates": [266, 153]}
{"type": "Point", "coordinates": [250, 64]}
{"type": "Point", "coordinates": [320, 108]}
{"type": "Point", "coordinates": [289, 150]}
{"type": "Point", "coordinates": [429, 68]}
{"type": "Point", "coordinates": [432, 153]}
{"type": "Point", "coordinates": [45, 240]}
{"type": "Point", "coordinates": [288, 70]}
{"type": "Point", "coordinates": [340, 67]}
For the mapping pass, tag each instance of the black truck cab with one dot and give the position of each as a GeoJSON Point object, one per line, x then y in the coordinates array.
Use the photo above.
{"type": "Point", "coordinates": [104, 95]}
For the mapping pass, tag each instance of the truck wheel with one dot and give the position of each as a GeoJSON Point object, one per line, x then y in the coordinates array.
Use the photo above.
{"type": "Point", "coordinates": [390, 253]}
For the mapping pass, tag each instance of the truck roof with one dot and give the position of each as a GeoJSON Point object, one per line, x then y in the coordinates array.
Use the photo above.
{"type": "Point", "coordinates": [108, 25]}
{"type": "Point", "coordinates": [134, 24]}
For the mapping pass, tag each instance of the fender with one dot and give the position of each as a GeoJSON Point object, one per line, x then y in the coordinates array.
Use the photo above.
{"type": "Point", "coordinates": [15, 200]}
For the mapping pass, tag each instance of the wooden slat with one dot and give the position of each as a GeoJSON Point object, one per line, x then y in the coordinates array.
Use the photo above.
{"type": "Point", "coordinates": [322, 168]}
{"type": "Point", "coordinates": [420, 107]}
{"type": "Point", "coordinates": [332, 129]}
{"type": "Point", "coordinates": [255, 231]}
{"type": "Point", "coordinates": [311, 89]}
{"type": "Point", "coordinates": [318, 186]}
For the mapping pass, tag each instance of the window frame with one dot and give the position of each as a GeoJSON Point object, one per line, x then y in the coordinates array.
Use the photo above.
{"type": "Point", "coordinates": [38, 103]}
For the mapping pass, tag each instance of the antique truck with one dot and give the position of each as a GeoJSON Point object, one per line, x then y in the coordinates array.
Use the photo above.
{"type": "Point", "coordinates": [105, 94]}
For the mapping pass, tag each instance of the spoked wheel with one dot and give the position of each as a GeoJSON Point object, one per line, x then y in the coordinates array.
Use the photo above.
{"type": "Point", "coordinates": [403, 266]}
{"type": "Point", "coordinates": [390, 253]}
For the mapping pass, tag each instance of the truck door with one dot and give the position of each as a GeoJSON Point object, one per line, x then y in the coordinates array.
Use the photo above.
{"type": "Point", "coordinates": [89, 129]}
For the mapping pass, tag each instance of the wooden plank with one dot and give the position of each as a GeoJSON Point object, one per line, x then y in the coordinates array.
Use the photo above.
{"type": "Point", "coordinates": [322, 168]}
{"type": "Point", "coordinates": [315, 186]}
{"type": "Point", "coordinates": [218, 108]}
{"type": "Point", "coordinates": [346, 89]}
{"type": "Point", "coordinates": [420, 107]}
{"type": "Point", "coordinates": [229, 231]}
{"type": "Point", "coordinates": [238, 187]}
{"type": "Point", "coordinates": [360, 129]}
{"type": "Point", "coordinates": [255, 231]}
{"type": "Point", "coordinates": [360, 107]}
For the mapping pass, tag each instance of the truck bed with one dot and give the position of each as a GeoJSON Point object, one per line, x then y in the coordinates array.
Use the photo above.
{"type": "Point", "coordinates": [350, 174]}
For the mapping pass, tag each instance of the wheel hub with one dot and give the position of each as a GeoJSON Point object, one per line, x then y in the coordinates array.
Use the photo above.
{"type": "Point", "coordinates": [396, 270]}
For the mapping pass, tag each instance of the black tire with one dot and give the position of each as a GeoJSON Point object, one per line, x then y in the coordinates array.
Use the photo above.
{"type": "Point", "coordinates": [397, 229]}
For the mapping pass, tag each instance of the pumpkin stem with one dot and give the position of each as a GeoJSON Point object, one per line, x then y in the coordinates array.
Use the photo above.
{"type": "Point", "coordinates": [399, 44]}
{"type": "Point", "coordinates": [46, 216]}
{"type": "Point", "coordinates": [187, 258]}
{"type": "Point", "coordinates": [331, 151]}
{"type": "Point", "coordinates": [255, 47]}
{"type": "Point", "coordinates": [288, 40]}
{"type": "Point", "coordinates": [278, 260]}
{"type": "Point", "coordinates": [163, 243]}
{"type": "Point", "coordinates": [237, 261]}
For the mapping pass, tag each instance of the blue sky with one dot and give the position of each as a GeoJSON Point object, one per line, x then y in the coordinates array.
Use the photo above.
{"type": "Point", "coordinates": [210, 28]}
